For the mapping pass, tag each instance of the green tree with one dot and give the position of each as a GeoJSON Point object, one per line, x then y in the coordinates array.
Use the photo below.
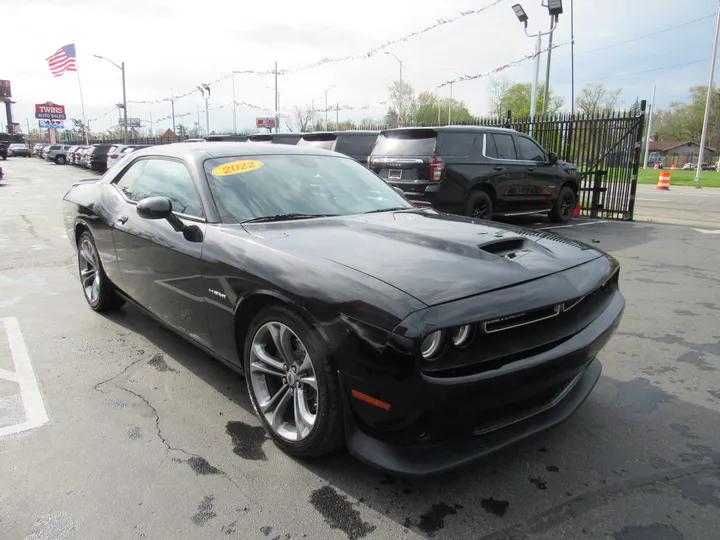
{"type": "Point", "coordinates": [432, 109]}
{"type": "Point", "coordinates": [517, 97]}
{"type": "Point", "coordinates": [596, 99]}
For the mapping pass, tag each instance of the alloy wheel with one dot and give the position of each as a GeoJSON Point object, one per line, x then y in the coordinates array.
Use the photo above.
{"type": "Point", "coordinates": [282, 378]}
{"type": "Point", "coordinates": [89, 272]}
{"type": "Point", "coordinates": [566, 205]}
{"type": "Point", "coordinates": [479, 211]}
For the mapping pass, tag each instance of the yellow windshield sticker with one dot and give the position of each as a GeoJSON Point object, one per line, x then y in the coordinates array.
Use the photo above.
{"type": "Point", "coordinates": [237, 167]}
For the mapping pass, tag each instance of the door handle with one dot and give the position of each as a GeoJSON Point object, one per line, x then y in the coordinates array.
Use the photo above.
{"type": "Point", "coordinates": [530, 169]}
{"type": "Point", "coordinates": [498, 168]}
{"type": "Point", "coordinates": [122, 218]}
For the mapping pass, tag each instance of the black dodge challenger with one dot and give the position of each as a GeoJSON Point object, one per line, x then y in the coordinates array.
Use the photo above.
{"type": "Point", "coordinates": [420, 340]}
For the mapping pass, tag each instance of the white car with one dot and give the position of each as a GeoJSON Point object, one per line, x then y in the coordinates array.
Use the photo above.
{"type": "Point", "coordinates": [115, 153]}
{"type": "Point", "coordinates": [689, 166]}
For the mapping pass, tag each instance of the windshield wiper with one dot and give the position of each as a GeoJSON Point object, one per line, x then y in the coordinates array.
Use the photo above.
{"type": "Point", "coordinates": [283, 217]}
{"type": "Point", "coordinates": [393, 209]}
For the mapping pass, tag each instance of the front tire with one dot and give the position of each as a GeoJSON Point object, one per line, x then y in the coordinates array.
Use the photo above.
{"type": "Point", "coordinates": [97, 289]}
{"type": "Point", "coordinates": [292, 385]}
{"type": "Point", "coordinates": [479, 206]}
{"type": "Point", "coordinates": [60, 160]}
{"type": "Point", "coordinates": [564, 206]}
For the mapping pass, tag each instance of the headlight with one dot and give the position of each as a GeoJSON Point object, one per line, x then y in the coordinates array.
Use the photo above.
{"type": "Point", "coordinates": [461, 335]}
{"type": "Point", "coordinates": [431, 345]}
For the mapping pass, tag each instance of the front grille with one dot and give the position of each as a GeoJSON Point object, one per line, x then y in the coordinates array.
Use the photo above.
{"type": "Point", "coordinates": [503, 340]}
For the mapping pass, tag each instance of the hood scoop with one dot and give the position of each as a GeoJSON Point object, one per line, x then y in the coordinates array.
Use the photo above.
{"type": "Point", "coordinates": [505, 246]}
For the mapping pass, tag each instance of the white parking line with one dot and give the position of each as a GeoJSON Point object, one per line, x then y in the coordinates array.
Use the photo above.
{"type": "Point", "coordinates": [32, 400]}
{"type": "Point", "coordinates": [574, 225]}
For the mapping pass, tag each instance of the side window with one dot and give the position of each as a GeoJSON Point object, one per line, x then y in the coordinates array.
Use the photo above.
{"type": "Point", "coordinates": [490, 148]}
{"type": "Point", "coordinates": [128, 179]}
{"type": "Point", "coordinates": [529, 150]}
{"type": "Point", "coordinates": [169, 179]}
{"type": "Point", "coordinates": [456, 144]}
{"type": "Point", "coordinates": [505, 146]}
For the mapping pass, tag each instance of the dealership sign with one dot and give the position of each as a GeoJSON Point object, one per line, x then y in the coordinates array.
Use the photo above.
{"type": "Point", "coordinates": [268, 122]}
{"type": "Point", "coordinates": [51, 124]}
{"type": "Point", "coordinates": [50, 111]}
{"type": "Point", "coordinates": [132, 122]}
{"type": "Point", "coordinates": [5, 91]}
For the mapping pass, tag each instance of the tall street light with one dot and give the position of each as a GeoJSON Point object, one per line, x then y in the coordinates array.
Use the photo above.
{"type": "Point", "coordinates": [708, 103]}
{"type": "Point", "coordinates": [205, 88]}
{"type": "Point", "coordinates": [400, 96]}
{"type": "Point", "coordinates": [326, 106]}
{"type": "Point", "coordinates": [121, 67]}
{"type": "Point", "coordinates": [555, 9]}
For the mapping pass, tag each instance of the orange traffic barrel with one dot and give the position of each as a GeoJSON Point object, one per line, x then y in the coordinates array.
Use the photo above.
{"type": "Point", "coordinates": [673, 167]}
{"type": "Point", "coordinates": [664, 180]}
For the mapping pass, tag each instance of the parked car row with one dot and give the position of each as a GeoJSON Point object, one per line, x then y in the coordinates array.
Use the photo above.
{"type": "Point", "coordinates": [470, 170]}
{"type": "Point", "coordinates": [97, 157]}
{"type": "Point", "coordinates": [476, 171]}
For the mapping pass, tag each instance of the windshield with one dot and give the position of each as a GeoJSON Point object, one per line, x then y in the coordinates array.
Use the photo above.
{"type": "Point", "coordinates": [259, 186]}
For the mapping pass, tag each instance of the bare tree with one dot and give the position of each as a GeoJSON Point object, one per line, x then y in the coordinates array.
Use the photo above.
{"type": "Point", "coordinates": [403, 102]}
{"type": "Point", "coordinates": [498, 90]}
{"type": "Point", "coordinates": [303, 119]}
{"type": "Point", "coordinates": [595, 98]}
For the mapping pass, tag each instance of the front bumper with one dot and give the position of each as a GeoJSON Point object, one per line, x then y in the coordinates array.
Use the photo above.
{"type": "Point", "coordinates": [573, 361]}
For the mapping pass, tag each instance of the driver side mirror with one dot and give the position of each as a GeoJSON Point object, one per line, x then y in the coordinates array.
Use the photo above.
{"type": "Point", "coordinates": [161, 208]}
{"type": "Point", "coordinates": [552, 158]}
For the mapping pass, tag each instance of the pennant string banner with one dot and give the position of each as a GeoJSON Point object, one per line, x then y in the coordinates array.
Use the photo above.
{"type": "Point", "coordinates": [461, 78]}
{"type": "Point", "coordinates": [327, 60]}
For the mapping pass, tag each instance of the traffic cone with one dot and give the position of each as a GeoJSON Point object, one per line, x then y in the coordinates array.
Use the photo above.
{"type": "Point", "coordinates": [656, 166]}
{"type": "Point", "coordinates": [576, 212]}
{"type": "Point", "coordinates": [673, 167]}
{"type": "Point", "coordinates": [664, 180]}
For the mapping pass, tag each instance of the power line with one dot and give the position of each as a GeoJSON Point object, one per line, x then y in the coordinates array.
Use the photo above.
{"type": "Point", "coordinates": [645, 71]}
{"type": "Point", "coordinates": [638, 38]}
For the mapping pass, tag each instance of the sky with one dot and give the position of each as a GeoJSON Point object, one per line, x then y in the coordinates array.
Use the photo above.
{"type": "Point", "coordinates": [169, 47]}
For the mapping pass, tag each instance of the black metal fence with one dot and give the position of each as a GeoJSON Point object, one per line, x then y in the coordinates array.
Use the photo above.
{"type": "Point", "coordinates": [605, 148]}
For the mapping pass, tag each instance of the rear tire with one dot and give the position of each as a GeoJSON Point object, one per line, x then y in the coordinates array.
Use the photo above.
{"type": "Point", "coordinates": [564, 206]}
{"type": "Point", "coordinates": [60, 160]}
{"type": "Point", "coordinates": [293, 387]}
{"type": "Point", "coordinates": [479, 206]}
{"type": "Point", "coordinates": [99, 292]}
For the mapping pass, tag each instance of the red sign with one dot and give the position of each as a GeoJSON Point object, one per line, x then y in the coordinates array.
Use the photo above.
{"type": "Point", "coordinates": [50, 111]}
{"type": "Point", "coordinates": [5, 91]}
{"type": "Point", "coordinates": [265, 122]}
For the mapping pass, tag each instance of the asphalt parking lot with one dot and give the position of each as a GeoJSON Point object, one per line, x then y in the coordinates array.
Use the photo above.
{"type": "Point", "coordinates": [129, 432]}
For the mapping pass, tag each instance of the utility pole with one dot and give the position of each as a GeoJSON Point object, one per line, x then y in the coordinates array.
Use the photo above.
{"type": "Point", "coordinates": [277, 119]}
{"type": "Point", "coordinates": [450, 106]}
{"type": "Point", "coordinates": [649, 129]}
{"type": "Point", "coordinates": [205, 88]}
{"type": "Point", "coordinates": [708, 104]}
{"type": "Point", "coordinates": [337, 117]}
{"type": "Point", "coordinates": [234, 106]}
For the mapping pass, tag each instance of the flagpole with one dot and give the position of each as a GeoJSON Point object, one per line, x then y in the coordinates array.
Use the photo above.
{"type": "Point", "coordinates": [82, 102]}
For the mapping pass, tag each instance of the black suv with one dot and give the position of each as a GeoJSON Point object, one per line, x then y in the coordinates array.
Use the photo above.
{"type": "Point", "coordinates": [97, 156]}
{"type": "Point", "coordinates": [354, 143]}
{"type": "Point", "coordinates": [275, 138]}
{"type": "Point", "coordinates": [476, 171]}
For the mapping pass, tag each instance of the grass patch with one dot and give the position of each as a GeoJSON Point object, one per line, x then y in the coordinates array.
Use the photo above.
{"type": "Point", "coordinates": [680, 178]}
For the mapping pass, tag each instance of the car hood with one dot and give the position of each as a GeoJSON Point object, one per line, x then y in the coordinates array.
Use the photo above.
{"type": "Point", "coordinates": [431, 256]}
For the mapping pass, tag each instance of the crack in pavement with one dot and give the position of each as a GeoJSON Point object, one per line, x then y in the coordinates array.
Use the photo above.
{"type": "Point", "coordinates": [33, 232]}
{"type": "Point", "coordinates": [585, 502]}
{"type": "Point", "coordinates": [161, 437]}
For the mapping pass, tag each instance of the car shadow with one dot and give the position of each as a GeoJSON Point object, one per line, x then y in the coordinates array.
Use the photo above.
{"type": "Point", "coordinates": [630, 439]}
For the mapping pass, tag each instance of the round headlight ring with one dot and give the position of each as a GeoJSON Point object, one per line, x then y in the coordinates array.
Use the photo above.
{"type": "Point", "coordinates": [431, 345]}
{"type": "Point", "coordinates": [462, 335]}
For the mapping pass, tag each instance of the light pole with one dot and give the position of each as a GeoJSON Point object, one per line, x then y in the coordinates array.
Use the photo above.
{"type": "Point", "coordinates": [450, 106]}
{"type": "Point", "coordinates": [121, 67]}
{"type": "Point", "coordinates": [400, 97]}
{"type": "Point", "coordinates": [234, 106]}
{"type": "Point", "coordinates": [277, 104]}
{"type": "Point", "coordinates": [708, 103]}
{"type": "Point", "coordinates": [205, 88]}
{"type": "Point", "coordinates": [326, 106]}
{"type": "Point", "coordinates": [555, 9]}
{"type": "Point", "coordinates": [152, 131]}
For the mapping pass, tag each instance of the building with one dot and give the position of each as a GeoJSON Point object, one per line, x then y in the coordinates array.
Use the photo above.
{"type": "Point", "coordinates": [679, 152]}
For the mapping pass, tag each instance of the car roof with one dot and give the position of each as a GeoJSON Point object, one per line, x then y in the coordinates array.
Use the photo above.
{"type": "Point", "coordinates": [345, 132]}
{"type": "Point", "coordinates": [452, 129]}
{"type": "Point", "coordinates": [228, 149]}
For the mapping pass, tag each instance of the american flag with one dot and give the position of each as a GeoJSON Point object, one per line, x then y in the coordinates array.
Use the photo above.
{"type": "Point", "coordinates": [63, 60]}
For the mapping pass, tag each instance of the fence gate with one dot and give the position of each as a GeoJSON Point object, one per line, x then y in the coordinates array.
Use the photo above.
{"type": "Point", "coordinates": [606, 148]}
